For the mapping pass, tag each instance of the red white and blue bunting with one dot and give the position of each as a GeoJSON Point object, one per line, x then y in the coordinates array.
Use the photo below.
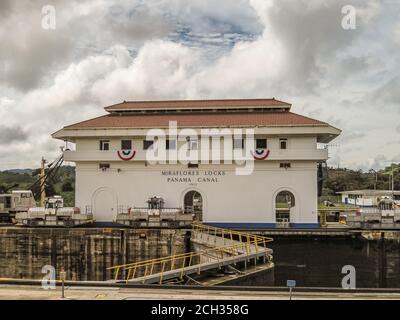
{"type": "Point", "coordinates": [260, 154]}
{"type": "Point", "coordinates": [126, 155]}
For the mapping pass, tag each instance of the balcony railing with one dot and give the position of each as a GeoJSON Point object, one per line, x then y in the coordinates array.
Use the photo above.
{"type": "Point", "coordinates": [141, 155]}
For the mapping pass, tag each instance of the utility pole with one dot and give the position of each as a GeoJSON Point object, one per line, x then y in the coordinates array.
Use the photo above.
{"type": "Point", "coordinates": [391, 178]}
{"type": "Point", "coordinates": [42, 183]}
{"type": "Point", "coordinates": [392, 182]}
{"type": "Point", "coordinates": [390, 173]}
{"type": "Point", "coordinates": [376, 177]}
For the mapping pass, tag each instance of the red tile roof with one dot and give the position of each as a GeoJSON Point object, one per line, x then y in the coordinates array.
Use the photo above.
{"type": "Point", "coordinates": [194, 104]}
{"type": "Point", "coordinates": [198, 120]}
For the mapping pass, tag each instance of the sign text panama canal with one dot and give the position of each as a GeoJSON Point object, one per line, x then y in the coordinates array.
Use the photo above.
{"type": "Point", "coordinates": [192, 176]}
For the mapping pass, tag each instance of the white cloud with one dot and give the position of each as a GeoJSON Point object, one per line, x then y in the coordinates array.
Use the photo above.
{"type": "Point", "coordinates": [369, 10]}
{"type": "Point", "coordinates": [396, 34]}
{"type": "Point", "coordinates": [160, 70]}
{"type": "Point", "coordinates": [107, 52]}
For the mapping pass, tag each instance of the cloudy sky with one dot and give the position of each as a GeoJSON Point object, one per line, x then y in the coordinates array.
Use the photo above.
{"type": "Point", "coordinates": [103, 52]}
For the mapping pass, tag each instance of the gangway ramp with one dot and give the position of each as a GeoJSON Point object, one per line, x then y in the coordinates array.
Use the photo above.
{"type": "Point", "coordinates": [221, 247]}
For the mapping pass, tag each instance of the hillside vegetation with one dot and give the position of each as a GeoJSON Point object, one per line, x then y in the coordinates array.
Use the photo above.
{"type": "Point", "coordinates": [342, 179]}
{"type": "Point", "coordinates": [62, 184]}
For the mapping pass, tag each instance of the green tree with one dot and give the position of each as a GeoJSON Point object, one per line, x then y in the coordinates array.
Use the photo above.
{"type": "Point", "coordinates": [67, 186]}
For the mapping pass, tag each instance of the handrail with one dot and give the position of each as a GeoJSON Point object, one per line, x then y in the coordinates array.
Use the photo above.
{"type": "Point", "coordinates": [175, 259]}
{"type": "Point", "coordinates": [209, 228]}
{"type": "Point", "coordinates": [234, 249]}
{"type": "Point", "coordinates": [182, 255]}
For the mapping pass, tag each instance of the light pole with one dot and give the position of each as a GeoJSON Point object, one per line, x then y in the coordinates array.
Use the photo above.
{"type": "Point", "coordinates": [63, 276]}
{"type": "Point", "coordinates": [393, 170]}
{"type": "Point", "coordinates": [376, 177]}
{"type": "Point", "coordinates": [391, 177]}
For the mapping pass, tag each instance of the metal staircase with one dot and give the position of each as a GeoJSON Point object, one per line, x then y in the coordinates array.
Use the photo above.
{"type": "Point", "coordinates": [222, 247]}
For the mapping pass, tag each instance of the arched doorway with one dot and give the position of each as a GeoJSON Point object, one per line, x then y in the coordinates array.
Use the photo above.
{"type": "Point", "coordinates": [284, 202]}
{"type": "Point", "coordinates": [193, 203]}
{"type": "Point", "coordinates": [104, 205]}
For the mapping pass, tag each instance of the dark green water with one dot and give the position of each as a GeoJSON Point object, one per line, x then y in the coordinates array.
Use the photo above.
{"type": "Point", "coordinates": [317, 262]}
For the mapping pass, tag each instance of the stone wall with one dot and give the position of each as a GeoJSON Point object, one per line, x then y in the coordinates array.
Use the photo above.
{"type": "Point", "coordinates": [84, 253]}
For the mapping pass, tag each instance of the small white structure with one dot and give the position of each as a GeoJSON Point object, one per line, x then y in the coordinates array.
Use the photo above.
{"type": "Point", "coordinates": [369, 198]}
{"type": "Point", "coordinates": [16, 201]}
{"type": "Point", "coordinates": [113, 170]}
{"type": "Point", "coordinates": [53, 214]}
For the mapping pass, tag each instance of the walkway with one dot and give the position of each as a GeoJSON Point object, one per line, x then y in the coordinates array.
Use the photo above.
{"type": "Point", "coordinates": [217, 247]}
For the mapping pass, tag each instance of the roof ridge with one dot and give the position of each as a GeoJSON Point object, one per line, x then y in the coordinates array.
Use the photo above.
{"type": "Point", "coordinates": [188, 101]}
{"type": "Point", "coordinates": [200, 100]}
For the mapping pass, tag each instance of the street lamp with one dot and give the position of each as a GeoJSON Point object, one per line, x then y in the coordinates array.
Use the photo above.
{"type": "Point", "coordinates": [376, 177]}
{"type": "Point", "coordinates": [393, 170]}
{"type": "Point", "coordinates": [391, 175]}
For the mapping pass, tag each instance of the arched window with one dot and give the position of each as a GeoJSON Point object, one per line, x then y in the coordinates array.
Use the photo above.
{"type": "Point", "coordinates": [284, 201]}
{"type": "Point", "coordinates": [193, 203]}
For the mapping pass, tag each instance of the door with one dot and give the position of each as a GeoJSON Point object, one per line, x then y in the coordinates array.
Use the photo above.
{"type": "Point", "coordinates": [284, 202]}
{"type": "Point", "coordinates": [193, 203]}
{"type": "Point", "coordinates": [105, 206]}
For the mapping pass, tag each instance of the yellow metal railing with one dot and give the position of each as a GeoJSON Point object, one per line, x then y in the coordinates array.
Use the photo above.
{"type": "Point", "coordinates": [240, 243]}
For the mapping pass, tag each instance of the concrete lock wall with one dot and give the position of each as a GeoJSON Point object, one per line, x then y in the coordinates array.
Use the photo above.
{"type": "Point", "coordinates": [227, 198]}
{"type": "Point", "coordinates": [84, 253]}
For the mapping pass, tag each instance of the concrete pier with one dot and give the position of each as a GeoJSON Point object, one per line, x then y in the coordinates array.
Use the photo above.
{"type": "Point", "coordinates": [25, 292]}
{"type": "Point", "coordinates": [85, 253]}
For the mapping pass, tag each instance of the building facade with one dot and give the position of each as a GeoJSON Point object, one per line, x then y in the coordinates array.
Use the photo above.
{"type": "Point", "coordinates": [369, 198]}
{"type": "Point", "coordinates": [280, 148]}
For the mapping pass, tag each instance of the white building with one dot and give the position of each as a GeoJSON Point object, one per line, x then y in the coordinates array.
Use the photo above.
{"type": "Point", "coordinates": [368, 198]}
{"type": "Point", "coordinates": [112, 167]}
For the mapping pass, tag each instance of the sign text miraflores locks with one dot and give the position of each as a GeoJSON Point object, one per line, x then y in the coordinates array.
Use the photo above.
{"type": "Point", "coordinates": [193, 176]}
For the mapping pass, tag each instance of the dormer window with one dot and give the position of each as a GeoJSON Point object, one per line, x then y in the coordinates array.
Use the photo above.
{"type": "Point", "coordinates": [238, 143]}
{"type": "Point", "coordinates": [147, 144]}
{"type": "Point", "coordinates": [104, 145]}
{"type": "Point", "coordinates": [192, 143]}
{"type": "Point", "coordinates": [170, 144]}
{"type": "Point", "coordinates": [126, 144]}
{"type": "Point", "coordinates": [283, 143]}
{"type": "Point", "coordinates": [261, 143]}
